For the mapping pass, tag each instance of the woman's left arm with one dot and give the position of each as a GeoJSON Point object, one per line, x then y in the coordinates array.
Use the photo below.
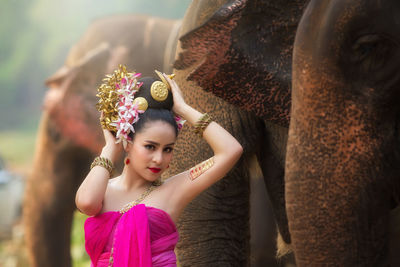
{"type": "Point", "coordinates": [226, 148]}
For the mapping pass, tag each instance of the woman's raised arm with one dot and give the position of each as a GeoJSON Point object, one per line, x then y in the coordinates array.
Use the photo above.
{"type": "Point", "coordinates": [90, 195]}
{"type": "Point", "coordinates": [226, 148]}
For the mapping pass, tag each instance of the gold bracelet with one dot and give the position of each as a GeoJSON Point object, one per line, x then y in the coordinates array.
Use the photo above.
{"type": "Point", "coordinates": [201, 168]}
{"type": "Point", "coordinates": [103, 162]}
{"type": "Point", "coordinates": [202, 124]}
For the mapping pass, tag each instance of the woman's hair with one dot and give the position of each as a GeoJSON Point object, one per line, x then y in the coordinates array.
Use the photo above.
{"type": "Point", "coordinates": [151, 115]}
{"type": "Point", "coordinates": [156, 111]}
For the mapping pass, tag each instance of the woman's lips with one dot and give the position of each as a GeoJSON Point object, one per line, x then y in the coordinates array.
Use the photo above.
{"type": "Point", "coordinates": [155, 170]}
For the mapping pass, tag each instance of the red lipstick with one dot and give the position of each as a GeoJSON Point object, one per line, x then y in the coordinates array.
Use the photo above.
{"type": "Point", "coordinates": [155, 170]}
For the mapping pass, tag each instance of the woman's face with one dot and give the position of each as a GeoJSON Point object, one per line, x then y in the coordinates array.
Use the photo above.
{"type": "Point", "coordinates": [151, 151]}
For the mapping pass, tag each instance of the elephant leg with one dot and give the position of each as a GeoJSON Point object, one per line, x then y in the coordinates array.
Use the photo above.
{"type": "Point", "coordinates": [262, 222]}
{"type": "Point", "coordinates": [395, 237]}
{"type": "Point", "coordinates": [271, 160]}
{"type": "Point", "coordinates": [214, 227]}
{"type": "Point", "coordinates": [49, 197]}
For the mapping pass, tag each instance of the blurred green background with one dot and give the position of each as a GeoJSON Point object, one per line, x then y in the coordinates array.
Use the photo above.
{"type": "Point", "coordinates": [35, 39]}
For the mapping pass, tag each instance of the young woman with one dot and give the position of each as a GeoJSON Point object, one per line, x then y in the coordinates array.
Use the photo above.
{"type": "Point", "coordinates": [143, 232]}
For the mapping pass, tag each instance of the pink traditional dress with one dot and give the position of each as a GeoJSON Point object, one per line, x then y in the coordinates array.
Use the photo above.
{"type": "Point", "coordinates": [142, 236]}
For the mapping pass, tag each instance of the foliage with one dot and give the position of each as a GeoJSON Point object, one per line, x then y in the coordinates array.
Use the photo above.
{"type": "Point", "coordinates": [16, 148]}
{"type": "Point", "coordinates": [79, 255]}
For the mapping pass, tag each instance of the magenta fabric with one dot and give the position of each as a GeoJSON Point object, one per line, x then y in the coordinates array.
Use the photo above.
{"type": "Point", "coordinates": [144, 236]}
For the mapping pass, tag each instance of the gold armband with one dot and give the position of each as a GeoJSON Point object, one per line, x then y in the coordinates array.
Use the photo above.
{"type": "Point", "coordinates": [200, 168]}
{"type": "Point", "coordinates": [103, 162]}
{"type": "Point", "coordinates": [202, 124]}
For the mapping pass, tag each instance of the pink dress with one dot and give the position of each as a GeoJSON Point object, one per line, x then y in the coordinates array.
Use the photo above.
{"type": "Point", "coordinates": [143, 236]}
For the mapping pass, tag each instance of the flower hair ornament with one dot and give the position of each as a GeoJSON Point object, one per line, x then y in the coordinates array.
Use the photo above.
{"type": "Point", "coordinates": [119, 106]}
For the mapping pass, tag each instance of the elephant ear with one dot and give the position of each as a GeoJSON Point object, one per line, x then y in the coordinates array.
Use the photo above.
{"type": "Point", "coordinates": [242, 53]}
{"type": "Point", "coordinates": [70, 101]}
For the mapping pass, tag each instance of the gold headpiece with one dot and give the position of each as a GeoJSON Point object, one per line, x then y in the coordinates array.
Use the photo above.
{"type": "Point", "coordinates": [120, 109]}
{"type": "Point", "coordinates": [159, 89]}
{"type": "Point", "coordinates": [117, 104]}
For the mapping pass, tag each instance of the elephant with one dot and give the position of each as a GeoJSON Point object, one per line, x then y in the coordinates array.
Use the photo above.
{"type": "Point", "coordinates": [69, 134]}
{"type": "Point", "coordinates": [235, 56]}
{"type": "Point", "coordinates": [342, 174]}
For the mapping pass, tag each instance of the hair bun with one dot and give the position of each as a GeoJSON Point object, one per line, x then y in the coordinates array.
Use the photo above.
{"type": "Point", "coordinates": [154, 90]}
{"type": "Point", "coordinates": [123, 96]}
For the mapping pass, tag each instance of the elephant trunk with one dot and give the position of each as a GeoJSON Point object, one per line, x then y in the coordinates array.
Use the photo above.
{"type": "Point", "coordinates": [336, 197]}
{"type": "Point", "coordinates": [48, 200]}
{"type": "Point", "coordinates": [339, 155]}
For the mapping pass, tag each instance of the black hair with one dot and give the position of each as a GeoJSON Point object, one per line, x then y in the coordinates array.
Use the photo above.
{"type": "Point", "coordinates": [156, 111]}
{"type": "Point", "coordinates": [144, 91]}
{"type": "Point", "coordinates": [151, 115]}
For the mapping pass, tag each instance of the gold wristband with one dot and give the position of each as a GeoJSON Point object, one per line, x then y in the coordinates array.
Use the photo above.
{"type": "Point", "coordinates": [201, 168]}
{"type": "Point", "coordinates": [103, 162]}
{"type": "Point", "coordinates": [202, 124]}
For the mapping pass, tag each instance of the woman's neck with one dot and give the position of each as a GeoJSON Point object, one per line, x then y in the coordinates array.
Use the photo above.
{"type": "Point", "coordinates": [131, 181]}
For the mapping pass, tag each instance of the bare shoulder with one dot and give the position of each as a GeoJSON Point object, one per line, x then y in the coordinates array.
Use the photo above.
{"type": "Point", "coordinates": [171, 182]}
{"type": "Point", "coordinates": [111, 187]}
{"type": "Point", "coordinates": [165, 197]}
{"type": "Point", "coordinates": [114, 197]}
{"type": "Point", "coordinates": [170, 187]}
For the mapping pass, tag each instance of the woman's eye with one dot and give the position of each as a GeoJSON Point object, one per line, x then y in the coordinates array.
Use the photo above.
{"type": "Point", "coordinates": [149, 147]}
{"type": "Point", "coordinates": [168, 149]}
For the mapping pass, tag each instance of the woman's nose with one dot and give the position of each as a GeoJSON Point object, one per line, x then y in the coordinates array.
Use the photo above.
{"type": "Point", "coordinates": [157, 157]}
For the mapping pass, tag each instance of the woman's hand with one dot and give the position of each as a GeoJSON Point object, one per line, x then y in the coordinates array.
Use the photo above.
{"type": "Point", "coordinates": [179, 102]}
{"type": "Point", "coordinates": [111, 150]}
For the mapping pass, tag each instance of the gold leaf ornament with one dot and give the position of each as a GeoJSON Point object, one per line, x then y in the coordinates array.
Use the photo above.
{"type": "Point", "coordinates": [109, 98]}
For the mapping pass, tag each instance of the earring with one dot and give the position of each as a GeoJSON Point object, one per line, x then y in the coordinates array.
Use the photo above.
{"type": "Point", "coordinates": [127, 161]}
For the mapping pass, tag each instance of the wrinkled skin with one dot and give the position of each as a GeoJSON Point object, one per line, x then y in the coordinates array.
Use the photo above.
{"type": "Point", "coordinates": [342, 164]}
{"type": "Point", "coordinates": [69, 133]}
{"type": "Point", "coordinates": [241, 52]}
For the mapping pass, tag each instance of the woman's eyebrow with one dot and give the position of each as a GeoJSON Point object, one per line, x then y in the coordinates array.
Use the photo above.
{"type": "Point", "coordinates": [157, 144]}
{"type": "Point", "coordinates": [152, 142]}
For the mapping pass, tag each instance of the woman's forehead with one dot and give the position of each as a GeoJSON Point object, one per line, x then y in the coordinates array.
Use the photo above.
{"type": "Point", "coordinates": [157, 131]}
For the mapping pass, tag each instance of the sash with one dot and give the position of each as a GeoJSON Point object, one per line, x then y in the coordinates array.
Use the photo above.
{"type": "Point", "coordinates": [132, 246]}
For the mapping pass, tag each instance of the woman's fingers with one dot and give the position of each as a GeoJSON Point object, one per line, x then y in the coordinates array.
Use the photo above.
{"type": "Point", "coordinates": [167, 78]}
{"type": "Point", "coordinates": [172, 83]}
{"type": "Point", "coordinates": [107, 135]}
{"type": "Point", "coordinates": [112, 147]}
{"type": "Point", "coordinates": [179, 101]}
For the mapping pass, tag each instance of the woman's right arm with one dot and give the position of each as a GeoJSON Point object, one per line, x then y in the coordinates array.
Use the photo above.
{"type": "Point", "coordinates": [90, 195]}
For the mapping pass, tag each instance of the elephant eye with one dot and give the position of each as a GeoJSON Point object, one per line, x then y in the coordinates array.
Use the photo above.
{"type": "Point", "coordinates": [371, 52]}
{"type": "Point", "coordinates": [365, 45]}
{"type": "Point", "coordinates": [371, 61]}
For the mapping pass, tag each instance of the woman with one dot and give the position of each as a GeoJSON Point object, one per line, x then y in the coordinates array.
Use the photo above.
{"type": "Point", "coordinates": [142, 232]}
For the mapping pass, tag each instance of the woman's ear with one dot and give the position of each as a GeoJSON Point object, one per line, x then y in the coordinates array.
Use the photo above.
{"type": "Point", "coordinates": [128, 147]}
